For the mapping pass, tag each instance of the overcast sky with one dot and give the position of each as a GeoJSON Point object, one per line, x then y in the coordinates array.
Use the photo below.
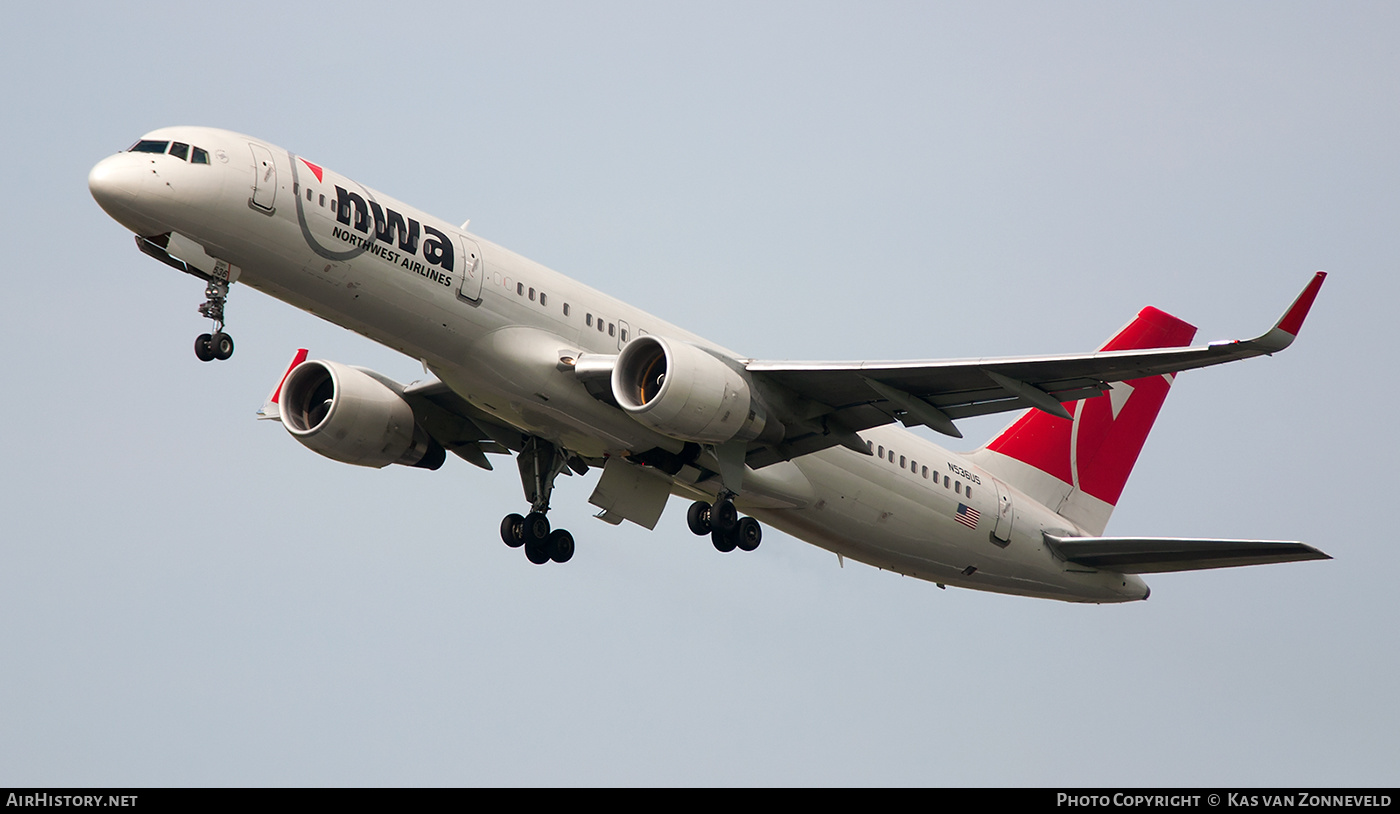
{"type": "Point", "coordinates": [189, 597]}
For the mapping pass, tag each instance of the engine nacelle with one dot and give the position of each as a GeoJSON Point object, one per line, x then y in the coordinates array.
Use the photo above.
{"type": "Point", "coordinates": [349, 416]}
{"type": "Point", "coordinates": [684, 392]}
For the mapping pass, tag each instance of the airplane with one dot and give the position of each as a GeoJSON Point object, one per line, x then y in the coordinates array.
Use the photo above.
{"type": "Point", "coordinates": [525, 361]}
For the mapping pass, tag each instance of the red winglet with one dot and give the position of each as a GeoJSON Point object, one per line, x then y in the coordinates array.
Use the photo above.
{"type": "Point", "coordinates": [296, 360]}
{"type": "Point", "coordinates": [1293, 320]}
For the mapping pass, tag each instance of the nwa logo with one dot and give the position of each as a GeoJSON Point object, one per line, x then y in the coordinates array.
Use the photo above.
{"type": "Point", "coordinates": [392, 230]}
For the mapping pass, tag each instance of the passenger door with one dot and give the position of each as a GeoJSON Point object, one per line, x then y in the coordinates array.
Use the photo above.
{"type": "Point", "coordinates": [1006, 513]}
{"type": "Point", "coordinates": [264, 179]}
{"type": "Point", "coordinates": [472, 271]}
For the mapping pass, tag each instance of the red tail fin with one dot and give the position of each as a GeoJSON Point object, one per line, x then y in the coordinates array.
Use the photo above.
{"type": "Point", "coordinates": [1093, 454]}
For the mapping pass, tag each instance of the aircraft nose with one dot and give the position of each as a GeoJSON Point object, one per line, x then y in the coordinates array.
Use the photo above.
{"type": "Point", "coordinates": [115, 183]}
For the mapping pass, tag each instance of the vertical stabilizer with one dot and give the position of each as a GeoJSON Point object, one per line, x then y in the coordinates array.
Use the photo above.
{"type": "Point", "coordinates": [1078, 466]}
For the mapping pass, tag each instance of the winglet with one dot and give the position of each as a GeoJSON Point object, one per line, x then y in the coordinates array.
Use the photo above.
{"type": "Point", "coordinates": [271, 409]}
{"type": "Point", "coordinates": [1283, 334]}
{"type": "Point", "coordinates": [1293, 320]}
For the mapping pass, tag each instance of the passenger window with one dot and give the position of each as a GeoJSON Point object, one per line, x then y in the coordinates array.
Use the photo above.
{"type": "Point", "coordinates": [566, 309]}
{"type": "Point", "coordinates": [309, 193]}
{"type": "Point", "coordinates": [520, 288]}
{"type": "Point", "coordinates": [180, 150]}
{"type": "Point", "coordinates": [532, 293]}
{"type": "Point", "coordinates": [146, 146]}
{"type": "Point", "coordinates": [323, 202]}
{"type": "Point", "coordinates": [200, 156]}
{"type": "Point", "coordinates": [612, 329]}
{"type": "Point", "coordinates": [541, 298]}
{"type": "Point", "coordinates": [946, 481]}
{"type": "Point", "coordinates": [957, 486]}
{"type": "Point", "coordinates": [870, 445]}
{"type": "Point", "coordinates": [925, 473]}
{"type": "Point", "coordinates": [624, 335]}
{"type": "Point", "coordinates": [901, 462]}
{"type": "Point", "coordinates": [968, 493]}
{"type": "Point", "coordinates": [882, 452]}
{"type": "Point", "coordinates": [600, 324]}
{"type": "Point", "coordinates": [587, 319]}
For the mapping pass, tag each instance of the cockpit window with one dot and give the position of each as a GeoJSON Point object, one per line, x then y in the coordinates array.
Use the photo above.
{"type": "Point", "coordinates": [148, 146]}
{"type": "Point", "coordinates": [177, 149]}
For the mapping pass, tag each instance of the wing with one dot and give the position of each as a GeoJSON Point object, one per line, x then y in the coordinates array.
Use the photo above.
{"type": "Point", "coordinates": [1157, 555]}
{"type": "Point", "coordinates": [857, 395]}
{"type": "Point", "coordinates": [461, 428]}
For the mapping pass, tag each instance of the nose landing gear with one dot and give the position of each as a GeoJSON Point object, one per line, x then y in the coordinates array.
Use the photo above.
{"type": "Point", "coordinates": [218, 345]}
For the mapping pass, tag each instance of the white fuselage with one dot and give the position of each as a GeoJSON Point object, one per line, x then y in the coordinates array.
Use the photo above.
{"type": "Point", "coordinates": [494, 326]}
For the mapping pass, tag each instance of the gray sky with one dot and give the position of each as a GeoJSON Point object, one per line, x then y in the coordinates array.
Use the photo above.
{"type": "Point", "coordinates": [187, 596]}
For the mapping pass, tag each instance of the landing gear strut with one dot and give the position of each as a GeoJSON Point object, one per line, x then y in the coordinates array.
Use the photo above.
{"type": "Point", "coordinates": [727, 530]}
{"type": "Point", "coordinates": [217, 345]}
{"type": "Point", "coordinates": [540, 463]}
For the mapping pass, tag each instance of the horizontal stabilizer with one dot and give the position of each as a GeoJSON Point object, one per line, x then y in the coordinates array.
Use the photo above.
{"type": "Point", "coordinates": [1157, 555]}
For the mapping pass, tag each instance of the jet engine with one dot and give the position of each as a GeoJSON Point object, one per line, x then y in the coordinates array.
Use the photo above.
{"type": "Point", "coordinates": [684, 392]}
{"type": "Point", "coordinates": [351, 416]}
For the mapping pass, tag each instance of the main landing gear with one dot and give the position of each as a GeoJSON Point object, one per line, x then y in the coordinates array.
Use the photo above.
{"type": "Point", "coordinates": [217, 345]}
{"type": "Point", "coordinates": [722, 522]}
{"type": "Point", "coordinates": [541, 545]}
{"type": "Point", "coordinates": [540, 463]}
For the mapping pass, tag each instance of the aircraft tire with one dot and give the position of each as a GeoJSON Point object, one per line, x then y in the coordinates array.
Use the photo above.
{"type": "Point", "coordinates": [513, 530]}
{"type": "Point", "coordinates": [723, 516]}
{"type": "Point", "coordinates": [204, 347]}
{"type": "Point", "coordinates": [221, 345]}
{"type": "Point", "coordinates": [536, 527]}
{"type": "Point", "coordinates": [537, 552]}
{"type": "Point", "coordinates": [723, 541]}
{"type": "Point", "coordinates": [748, 534]}
{"type": "Point", "coordinates": [698, 518]}
{"type": "Point", "coordinates": [561, 545]}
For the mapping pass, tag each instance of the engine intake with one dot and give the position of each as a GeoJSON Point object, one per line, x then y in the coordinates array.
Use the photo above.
{"type": "Point", "coordinates": [348, 415]}
{"type": "Point", "coordinates": [684, 392]}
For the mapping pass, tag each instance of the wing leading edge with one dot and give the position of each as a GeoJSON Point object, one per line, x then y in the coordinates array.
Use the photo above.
{"type": "Point", "coordinates": [934, 392]}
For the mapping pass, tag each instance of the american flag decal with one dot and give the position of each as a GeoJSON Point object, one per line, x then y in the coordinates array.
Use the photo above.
{"type": "Point", "coordinates": [967, 515]}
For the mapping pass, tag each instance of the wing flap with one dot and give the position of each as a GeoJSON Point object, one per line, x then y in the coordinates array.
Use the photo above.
{"type": "Point", "coordinates": [1158, 555]}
